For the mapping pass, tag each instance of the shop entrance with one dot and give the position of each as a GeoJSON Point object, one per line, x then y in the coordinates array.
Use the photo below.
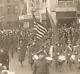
{"type": "Point", "coordinates": [68, 22]}
{"type": "Point", "coordinates": [68, 18]}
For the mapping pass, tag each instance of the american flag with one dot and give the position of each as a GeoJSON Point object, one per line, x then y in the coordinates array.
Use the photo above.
{"type": "Point", "coordinates": [40, 28]}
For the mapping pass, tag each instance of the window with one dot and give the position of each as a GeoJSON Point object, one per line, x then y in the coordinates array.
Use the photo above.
{"type": "Point", "coordinates": [1, 11]}
{"type": "Point", "coordinates": [78, 5]}
{"type": "Point", "coordinates": [32, 0]}
{"type": "Point", "coordinates": [44, 1]}
{"type": "Point", "coordinates": [22, 1]}
{"type": "Point", "coordinates": [15, 0]}
{"type": "Point", "coordinates": [16, 9]}
{"type": "Point", "coordinates": [78, 2]}
{"type": "Point", "coordinates": [8, 1]}
{"type": "Point", "coordinates": [8, 10]}
{"type": "Point", "coordinates": [65, 0]}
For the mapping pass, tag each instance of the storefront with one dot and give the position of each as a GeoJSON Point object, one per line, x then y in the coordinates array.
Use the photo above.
{"type": "Point", "coordinates": [66, 18]}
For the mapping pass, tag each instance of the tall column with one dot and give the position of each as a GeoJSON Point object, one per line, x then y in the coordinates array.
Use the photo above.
{"type": "Point", "coordinates": [28, 6]}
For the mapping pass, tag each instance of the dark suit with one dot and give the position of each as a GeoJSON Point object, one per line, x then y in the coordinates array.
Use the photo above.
{"type": "Point", "coordinates": [40, 67]}
{"type": "Point", "coordinates": [4, 58]}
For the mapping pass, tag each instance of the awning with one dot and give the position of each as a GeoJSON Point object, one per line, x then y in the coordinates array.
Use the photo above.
{"type": "Point", "coordinates": [65, 15]}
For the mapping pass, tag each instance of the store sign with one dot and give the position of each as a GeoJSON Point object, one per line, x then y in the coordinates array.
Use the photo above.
{"type": "Point", "coordinates": [22, 17]}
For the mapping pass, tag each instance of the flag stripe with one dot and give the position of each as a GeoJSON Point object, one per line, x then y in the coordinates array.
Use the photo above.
{"type": "Point", "coordinates": [39, 28]}
{"type": "Point", "coordinates": [39, 35]}
{"type": "Point", "coordinates": [42, 27]}
{"type": "Point", "coordinates": [38, 31]}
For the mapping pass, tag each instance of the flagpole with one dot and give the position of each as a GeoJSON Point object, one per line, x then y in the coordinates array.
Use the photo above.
{"type": "Point", "coordinates": [51, 29]}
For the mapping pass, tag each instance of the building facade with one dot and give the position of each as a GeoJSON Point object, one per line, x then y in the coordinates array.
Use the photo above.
{"type": "Point", "coordinates": [61, 10]}
{"type": "Point", "coordinates": [9, 12]}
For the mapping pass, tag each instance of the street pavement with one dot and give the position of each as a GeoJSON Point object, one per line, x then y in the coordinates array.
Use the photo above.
{"type": "Point", "coordinates": [18, 69]}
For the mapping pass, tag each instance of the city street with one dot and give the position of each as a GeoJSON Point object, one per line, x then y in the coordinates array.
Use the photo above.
{"type": "Point", "coordinates": [40, 28]}
{"type": "Point", "coordinates": [16, 67]}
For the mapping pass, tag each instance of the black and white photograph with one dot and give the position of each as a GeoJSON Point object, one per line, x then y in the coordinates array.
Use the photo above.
{"type": "Point", "coordinates": [39, 36]}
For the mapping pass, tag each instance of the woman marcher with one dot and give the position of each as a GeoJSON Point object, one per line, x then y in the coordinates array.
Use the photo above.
{"type": "Point", "coordinates": [22, 55]}
{"type": "Point", "coordinates": [23, 51]}
{"type": "Point", "coordinates": [40, 65]}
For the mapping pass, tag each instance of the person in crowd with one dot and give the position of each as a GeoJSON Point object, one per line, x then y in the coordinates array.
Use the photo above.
{"type": "Point", "coordinates": [59, 58]}
{"type": "Point", "coordinates": [23, 51]}
{"type": "Point", "coordinates": [32, 50]}
{"type": "Point", "coordinates": [4, 58]}
{"type": "Point", "coordinates": [13, 44]}
{"type": "Point", "coordinates": [69, 50]}
{"type": "Point", "coordinates": [75, 36]}
{"type": "Point", "coordinates": [40, 65]}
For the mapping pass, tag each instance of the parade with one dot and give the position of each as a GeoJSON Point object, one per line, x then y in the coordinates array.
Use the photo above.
{"type": "Point", "coordinates": [43, 53]}
{"type": "Point", "coordinates": [40, 37]}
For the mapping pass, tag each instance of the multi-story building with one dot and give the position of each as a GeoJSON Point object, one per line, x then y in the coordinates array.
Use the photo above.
{"type": "Point", "coordinates": [12, 9]}
{"type": "Point", "coordinates": [59, 9]}
{"type": "Point", "coordinates": [78, 11]}
{"type": "Point", "coordinates": [62, 11]}
{"type": "Point", "coordinates": [32, 6]}
{"type": "Point", "coordinates": [1, 12]}
{"type": "Point", "coordinates": [9, 11]}
{"type": "Point", "coordinates": [1, 8]}
{"type": "Point", "coordinates": [66, 12]}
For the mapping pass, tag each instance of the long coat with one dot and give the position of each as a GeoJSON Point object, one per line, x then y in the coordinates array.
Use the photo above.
{"type": "Point", "coordinates": [4, 58]}
{"type": "Point", "coordinates": [41, 67]}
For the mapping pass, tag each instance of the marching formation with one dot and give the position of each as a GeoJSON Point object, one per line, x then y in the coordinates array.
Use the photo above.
{"type": "Point", "coordinates": [41, 52]}
{"type": "Point", "coordinates": [43, 45]}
